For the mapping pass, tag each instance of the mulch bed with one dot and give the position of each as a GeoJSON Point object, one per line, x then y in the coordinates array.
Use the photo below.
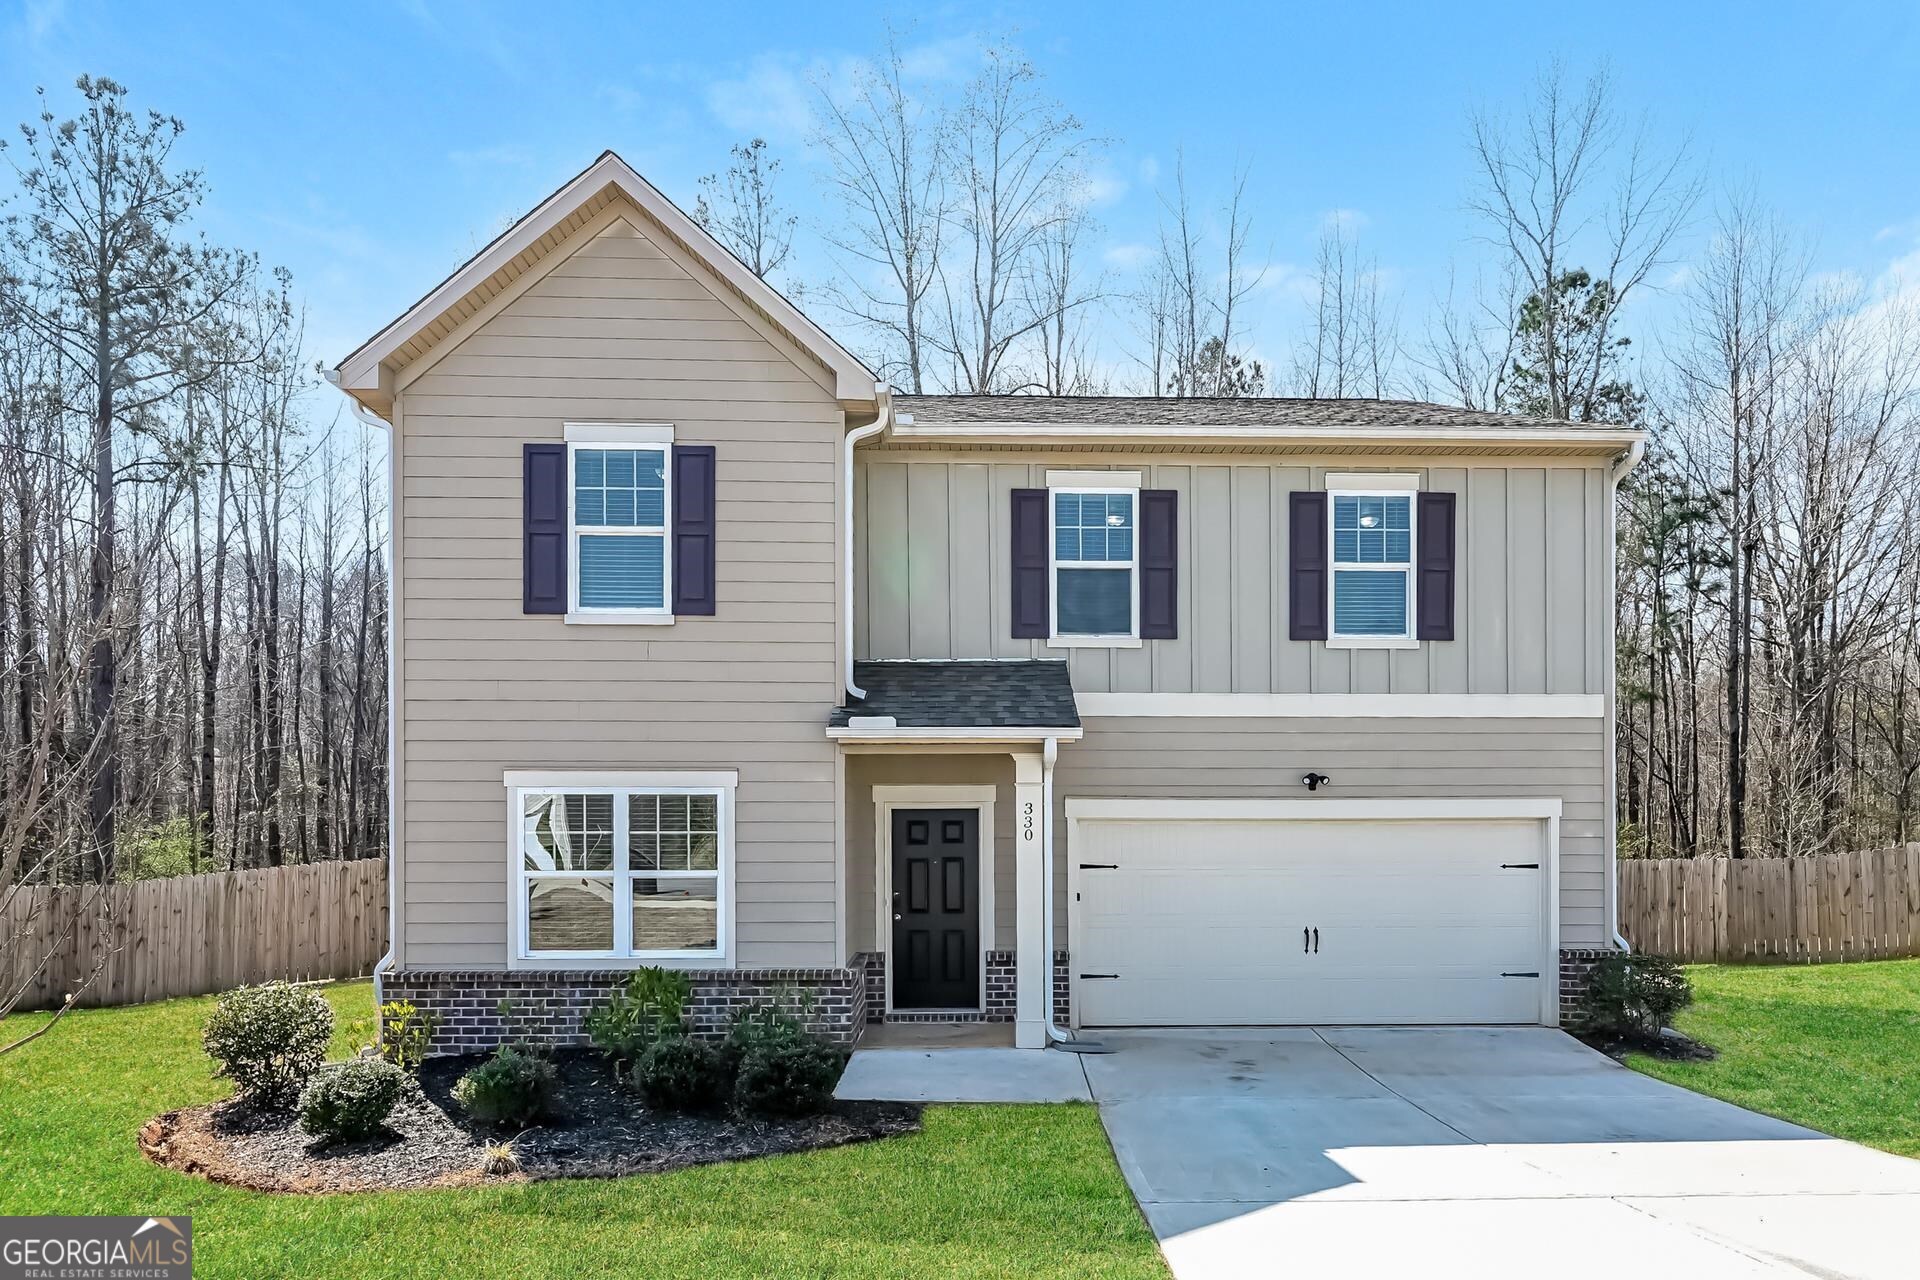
{"type": "Point", "coordinates": [1669, 1044]}
{"type": "Point", "coordinates": [600, 1130]}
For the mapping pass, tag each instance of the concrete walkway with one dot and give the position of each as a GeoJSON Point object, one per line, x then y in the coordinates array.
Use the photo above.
{"type": "Point", "coordinates": [910, 1063]}
{"type": "Point", "coordinates": [1477, 1152]}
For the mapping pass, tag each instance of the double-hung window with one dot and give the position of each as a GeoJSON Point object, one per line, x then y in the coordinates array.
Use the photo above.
{"type": "Point", "coordinates": [620, 500]}
{"type": "Point", "coordinates": [606, 871]}
{"type": "Point", "coordinates": [1372, 567]}
{"type": "Point", "coordinates": [1096, 561]}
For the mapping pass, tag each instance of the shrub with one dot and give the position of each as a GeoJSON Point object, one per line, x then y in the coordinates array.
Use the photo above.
{"type": "Point", "coordinates": [651, 1007]}
{"type": "Point", "coordinates": [352, 1100]}
{"type": "Point", "coordinates": [679, 1073]}
{"type": "Point", "coordinates": [792, 1077]}
{"type": "Point", "coordinates": [405, 1031]}
{"type": "Point", "coordinates": [1633, 995]}
{"type": "Point", "coordinates": [760, 1026]}
{"type": "Point", "coordinates": [269, 1039]}
{"type": "Point", "coordinates": [514, 1086]}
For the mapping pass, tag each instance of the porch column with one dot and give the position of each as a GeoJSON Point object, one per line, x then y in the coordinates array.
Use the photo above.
{"type": "Point", "coordinates": [1030, 959]}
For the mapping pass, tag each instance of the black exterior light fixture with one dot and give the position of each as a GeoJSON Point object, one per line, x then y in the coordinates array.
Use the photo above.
{"type": "Point", "coordinates": [1315, 781]}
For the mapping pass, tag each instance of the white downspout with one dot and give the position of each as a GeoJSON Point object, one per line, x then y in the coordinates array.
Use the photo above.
{"type": "Point", "coordinates": [1621, 466]}
{"type": "Point", "coordinates": [385, 962]}
{"type": "Point", "coordinates": [1056, 1036]}
{"type": "Point", "coordinates": [884, 396]}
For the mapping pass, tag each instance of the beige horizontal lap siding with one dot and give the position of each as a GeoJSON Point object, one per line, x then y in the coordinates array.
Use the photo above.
{"type": "Point", "coordinates": [623, 328]}
{"type": "Point", "coordinates": [932, 562]}
{"type": "Point", "coordinates": [1366, 759]}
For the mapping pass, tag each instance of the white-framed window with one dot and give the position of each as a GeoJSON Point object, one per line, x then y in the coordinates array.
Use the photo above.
{"type": "Point", "coordinates": [622, 866]}
{"type": "Point", "coordinates": [1371, 533]}
{"type": "Point", "coordinates": [619, 503]}
{"type": "Point", "coordinates": [1095, 554]}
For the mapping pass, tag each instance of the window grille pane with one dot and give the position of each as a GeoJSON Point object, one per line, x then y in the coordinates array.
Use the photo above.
{"type": "Point", "coordinates": [1372, 530]}
{"type": "Point", "coordinates": [1095, 602]}
{"type": "Point", "coordinates": [620, 488]}
{"type": "Point", "coordinates": [1370, 604]}
{"type": "Point", "coordinates": [570, 915]}
{"type": "Point", "coordinates": [622, 572]}
{"type": "Point", "coordinates": [568, 833]}
{"type": "Point", "coordinates": [676, 915]}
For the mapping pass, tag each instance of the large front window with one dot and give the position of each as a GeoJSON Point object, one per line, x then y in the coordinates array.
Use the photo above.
{"type": "Point", "coordinates": [620, 505]}
{"type": "Point", "coordinates": [1095, 555]}
{"type": "Point", "coordinates": [613, 871]}
{"type": "Point", "coordinates": [1372, 566]}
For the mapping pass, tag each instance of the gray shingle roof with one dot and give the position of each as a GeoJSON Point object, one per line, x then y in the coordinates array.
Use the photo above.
{"type": "Point", "coordinates": [962, 694]}
{"type": "Point", "coordinates": [1260, 412]}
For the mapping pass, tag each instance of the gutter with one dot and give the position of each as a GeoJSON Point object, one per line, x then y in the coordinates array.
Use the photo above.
{"type": "Point", "coordinates": [1622, 466]}
{"type": "Point", "coordinates": [1057, 1038]}
{"type": "Point", "coordinates": [884, 396]}
{"type": "Point", "coordinates": [384, 964]}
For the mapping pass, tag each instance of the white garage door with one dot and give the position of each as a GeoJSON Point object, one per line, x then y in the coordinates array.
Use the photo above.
{"type": "Point", "coordinates": [1195, 922]}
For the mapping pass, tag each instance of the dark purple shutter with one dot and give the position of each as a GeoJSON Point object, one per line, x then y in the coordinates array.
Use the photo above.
{"type": "Point", "coordinates": [1307, 566]}
{"type": "Point", "coordinates": [543, 528]}
{"type": "Point", "coordinates": [1029, 576]}
{"type": "Point", "coordinates": [1433, 585]}
{"type": "Point", "coordinates": [693, 530]}
{"type": "Point", "coordinates": [1159, 564]}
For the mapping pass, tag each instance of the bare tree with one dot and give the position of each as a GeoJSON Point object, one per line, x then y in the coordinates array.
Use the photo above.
{"type": "Point", "coordinates": [1352, 337]}
{"type": "Point", "coordinates": [1193, 300]}
{"type": "Point", "coordinates": [741, 209]}
{"type": "Point", "coordinates": [102, 272]}
{"type": "Point", "coordinates": [1567, 180]}
{"type": "Point", "coordinates": [887, 153]}
{"type": "Point", "coordinates": [1065, 293]}
{"type": "Point", "coordinates": [1017, 162]}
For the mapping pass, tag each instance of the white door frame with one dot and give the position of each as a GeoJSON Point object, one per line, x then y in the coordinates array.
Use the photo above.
{"type": "Point", "coordinates": [886, 799]}
{"type": "Point", "coordinates": [1544, 809]}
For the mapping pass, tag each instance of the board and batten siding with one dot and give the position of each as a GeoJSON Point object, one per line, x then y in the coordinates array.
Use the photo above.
{"type": "Point", "coordinates": [1242, 758]}
{"type": "Point", "coordinates": [931, 565]}
{"type": "Point", "coordinates": [626, 328]}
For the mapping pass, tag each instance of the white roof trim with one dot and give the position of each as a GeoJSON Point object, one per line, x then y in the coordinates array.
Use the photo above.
{"type": "Point", "coordinates": [360, 371]}
{"type": "Point", "coordinates": [1332, 433]}
{"type": "Point", "coordinates": [957, 733]}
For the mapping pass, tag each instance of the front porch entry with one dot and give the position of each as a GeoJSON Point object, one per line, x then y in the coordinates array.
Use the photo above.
{"type": "Point", "coordinates": [934, 895]}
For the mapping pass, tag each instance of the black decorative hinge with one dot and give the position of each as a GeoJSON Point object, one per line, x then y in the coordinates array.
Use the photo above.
{"type": "Point", "coordinates": [1086, 976]}
{"type": "Point", "coordinates": [1099, 866]}
{"type": "Point", "coordinates": [1532, 974]}
{"type": "Point", "coordinates": [1519, 866]}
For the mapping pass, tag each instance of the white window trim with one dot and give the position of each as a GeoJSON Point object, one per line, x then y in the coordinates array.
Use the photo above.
{"type": "Point", "coordinates": [1372, 486]}
{"type": "Point", "coordinates": [1131, 638]}
{"type": "Point", "coordinates": [636, 436]}
{"type": "Point", "coordinates": [720, 784]}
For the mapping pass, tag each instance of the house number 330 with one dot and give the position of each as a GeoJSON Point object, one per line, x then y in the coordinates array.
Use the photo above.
{"type": "Point", "coordinates": [1026, 821]}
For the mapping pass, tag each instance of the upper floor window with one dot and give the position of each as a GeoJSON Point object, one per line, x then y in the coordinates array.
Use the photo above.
{"type": "Point", "coordinates": [620, 502]}
{"type": "Point", "coordinates": [1095, 569]}
{"type": "Point", "coordinates": [1372, 567]}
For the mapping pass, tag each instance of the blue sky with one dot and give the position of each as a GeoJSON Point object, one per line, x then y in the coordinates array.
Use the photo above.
{"type": "Point", "coordinates": [371, 147]}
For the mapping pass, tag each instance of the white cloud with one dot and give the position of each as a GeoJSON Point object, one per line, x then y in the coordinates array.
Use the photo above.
{"type": "Point", "coordinates": [1102, 187]}
{"type": "Point", "coordinates": [1130, 256]}
{"type": "Point", "coordinates": [952, 59]}
{"type": "Point", "coordinates": [1349, 221]}
{"type": "Point", "coordinates": [771, 99]}
{"type": "Point", "coordinates": [1149, 170]}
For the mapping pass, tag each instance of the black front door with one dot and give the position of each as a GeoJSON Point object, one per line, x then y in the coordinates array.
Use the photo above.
{"type": "Point", "coordinates": [936, 909]}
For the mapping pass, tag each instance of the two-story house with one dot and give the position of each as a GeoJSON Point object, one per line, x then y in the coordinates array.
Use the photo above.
{"type": "Point", "coordinates": [709, 651]}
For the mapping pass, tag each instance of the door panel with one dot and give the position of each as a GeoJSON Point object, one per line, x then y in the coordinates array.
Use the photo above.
{"type": "Point", "coordinates": [936, 909]}
{"type": "Point", "coordinates": [1276, 922]}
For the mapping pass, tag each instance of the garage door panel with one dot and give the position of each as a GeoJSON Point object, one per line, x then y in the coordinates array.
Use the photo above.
{"type": "Point", "coordinates": [1202, 922]}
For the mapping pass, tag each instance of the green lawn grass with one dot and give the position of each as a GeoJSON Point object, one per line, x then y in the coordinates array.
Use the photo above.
{"type": "Point", "coordinates": [984, 1191]}
{"type": "Point", "coordinates": [1835, 1047]}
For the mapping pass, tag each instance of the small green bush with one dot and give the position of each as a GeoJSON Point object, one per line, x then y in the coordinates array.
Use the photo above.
{"type": "Point", "coordinates": [352, 1100]}
{"type": "Point", "coordinates": [405, 1031]}
{"type": "Point", "coordinates": [765, 1026]}
{"type": "Point", "coordinates": [679, 1073]}
{"type": "Point", "coordinates": [652, 1006]}
{"type": "Point", "coordinates": [792, 1077]}
{"type": "Point", "coordinates": [1633, 995]}
{"type": "Point", "coordinates": [514, 1086]}
{"type": "Point", "coordinates": [269, 1039]}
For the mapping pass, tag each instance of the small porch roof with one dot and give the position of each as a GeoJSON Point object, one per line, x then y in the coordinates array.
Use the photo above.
{"type": "Point", "coordinates": [959, 700]}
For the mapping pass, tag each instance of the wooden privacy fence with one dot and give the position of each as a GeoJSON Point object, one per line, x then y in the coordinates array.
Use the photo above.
{"type": "Point", "coordinates": [1843, 906]}
{"type": "Point", "coordinates": [195, 934]}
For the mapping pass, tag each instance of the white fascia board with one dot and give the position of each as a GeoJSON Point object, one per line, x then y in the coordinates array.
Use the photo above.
{"type": "Point", "coordinates": [957, 734]}
{"type": "Point", "coordinates": [854, 382]}
{"type": "Point", "coordinates": [1377, 706]}
{"type": "Point", "coordinates": [1333, 437]}
{"type": "Point", "coordinates": [1408, 809]}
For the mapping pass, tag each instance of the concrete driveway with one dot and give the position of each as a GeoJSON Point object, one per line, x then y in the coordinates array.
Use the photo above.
{"type": "Point", "coordinates": [1477, 1152]}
